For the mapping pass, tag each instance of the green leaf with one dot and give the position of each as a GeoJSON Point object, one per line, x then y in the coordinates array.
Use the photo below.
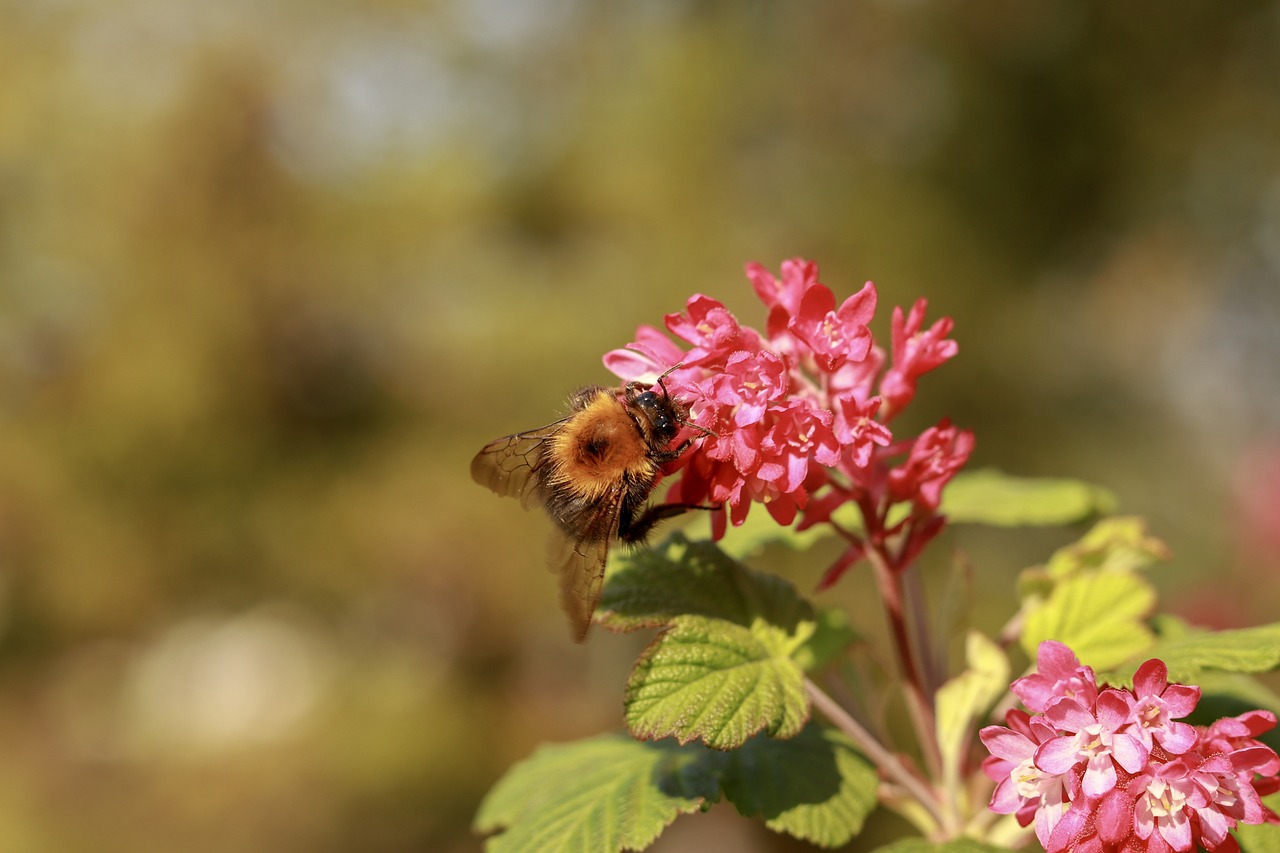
{"type": "Point", "coordinates": [989, 496]}
{"type": "Point", "coordinates": [815, 787]}
{"type": "Point", "coordinates": [679, 577]}
{"type": "Point", "coordinates": [609, 793]}
{"type": "Point", "coordinates": [960, 845]}
{"type": "Point", "coordinates": [1091, 597]}
{"type": "Point", "coordinates": [1217, 662]}
{"type": "Point", "coordinates": [1226, 694]}
{"type": "Point", "coordinates": [1245, 650]}
{"type": "Point", "coordinates": [964, 698]}
{"type": "Point", "coordinates": [834, 634]}
{"type": "Point", "coordinates": [718, 682]}
{"type": "Point", "coordinates": [1098, 614]}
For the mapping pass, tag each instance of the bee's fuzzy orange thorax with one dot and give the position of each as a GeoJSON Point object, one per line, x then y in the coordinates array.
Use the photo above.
{"type": "Point", "coordinates": [600, 446]}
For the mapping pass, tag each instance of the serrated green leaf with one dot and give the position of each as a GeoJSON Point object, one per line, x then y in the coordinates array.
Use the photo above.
{"type": "Point", "coordinates": [815, 787]}
{"type": "Point", "coordinates": [680, 577]}
{"type": "Point", "coordinates": [1215, 662]}
{"type": "Point", "coordinates": [1247, 650]}
{"type": "Point", "coordinates": [962, 699]}
{"type": "Point", "coordinates": [609, 793]}
{"type": "Point", "coordinates": [1098, 614]}
{"type": "Point", "coordinates": [718, 682]}
{"type": "Point", "coordinates": [992, 497]}
{"type": "Point", "coordinates": [960, 845]}
{"type": "Point", "coordinates": [834, 634]}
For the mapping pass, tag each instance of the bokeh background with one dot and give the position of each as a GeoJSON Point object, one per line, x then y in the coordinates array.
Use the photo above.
{"type": "Point", "coordinates": [270, 273]}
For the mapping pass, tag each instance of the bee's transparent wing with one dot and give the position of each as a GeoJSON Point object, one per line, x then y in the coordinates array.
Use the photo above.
{"type": "Point", "coordinates": [580, 560]}
{"type": "Point", "coordinates": [510, 465]}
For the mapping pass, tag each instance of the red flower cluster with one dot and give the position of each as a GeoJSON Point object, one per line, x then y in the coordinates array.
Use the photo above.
{"type": "Point", "coordinates": [805, 406]}
{"type": "Point", "coordinates": [1111, 770]}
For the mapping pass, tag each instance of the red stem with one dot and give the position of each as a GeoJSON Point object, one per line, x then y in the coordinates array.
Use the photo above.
{"type": "Point", "coordinates": [918, 702]}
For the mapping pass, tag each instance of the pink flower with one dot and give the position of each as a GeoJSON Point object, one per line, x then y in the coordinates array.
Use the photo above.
{"type": "Point", "coordinates": [914, 354]}
{"type": "Point", "coordinates": [1120, 794]}
{"type": "Point", "coordinates": [1167, 795]}
{"type": "Point", "coordinates": [1234, 733]}
{"type": "Point", "coordinates": [1059, 675]}
{"type": "Point", "coordinates": [647, 357]}
{"type": "Point", "coordinates": [713, 331]}
{"type": "Point", "coordinates": [783, 295]}
{"type": "Point", "coordinates": [1094, 737]}
{"type": "Point", "coordinates": [750, 382]}
{"type": "Point", "coordinates": [935, 457]}
{"type": "Point", "coordinates": [835, 336]}
{"type": "Point", "coordinates": [1023, 788]}
{"type": "Point", "coordinates": [789, 407]}
{"type": "Point", "coordinates": [858, 430]}
{"type": "Point", "coordinates": [1159, 704]}
{"type": "Point", "coordinates": [858, 378]}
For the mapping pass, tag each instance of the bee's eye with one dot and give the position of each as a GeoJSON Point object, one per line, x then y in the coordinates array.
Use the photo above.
{"type": "Point", "coordinates": [662, 422]}
{"type": "Point", "coordinates": [648, 399]}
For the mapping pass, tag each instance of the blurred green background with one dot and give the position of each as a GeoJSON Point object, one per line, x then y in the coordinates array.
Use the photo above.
{"type": "Point", "coordinates": [270, 273]}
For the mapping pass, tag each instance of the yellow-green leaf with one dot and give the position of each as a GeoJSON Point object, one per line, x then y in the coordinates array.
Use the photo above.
{"type": "Point", "coordinates": [967, 696]}
{"type": "Point", "coordinates": [992, 497]}
{"type": "Point", "coordinates": [1098, 614]}
{"type": "Point", "coordinates": [603, 795]}
{"type": "Point", "coordinates": [718, 682]}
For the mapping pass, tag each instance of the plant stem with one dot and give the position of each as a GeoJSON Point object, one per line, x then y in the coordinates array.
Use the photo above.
{"type": "Point", "coordinates": [890, 765]}
{"type": "Point", "coordinates": [918, 703]}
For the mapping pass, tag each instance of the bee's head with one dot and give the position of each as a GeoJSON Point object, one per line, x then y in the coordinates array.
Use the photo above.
{"type": "Point", "coordinates": [662, 415]}
{"type": "Point", "coordinates": [658, 411]}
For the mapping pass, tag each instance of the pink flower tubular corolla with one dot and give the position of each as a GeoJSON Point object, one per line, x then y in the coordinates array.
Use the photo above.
{"type": "Point", "coordinates": [1059, 674]}
{"type": "Point", "coordinates": [647, 356]}
{"type": "Point", "coordinates": [1100, 825]}
{"type": "Point", "coordinates": [713, 331]}
{"type": "Point", "coordinates": [782, 296]}
{"type": "Point", "coordinates": [1159, 705]}
{"type": "Point", "coordinates": [935, 457]}
{"type": "Point", "coordinates": [749, 383]}
{"type": "Point", "coordinates": [1166, 801]}
{"type": "Point", "coordinates": [857, 430]}
{"type": "Point", "coordinates": [915, 353]}
{"type": "Point", "coordinates": [1095, 738]}
{"type": "Point", "coordinates": [833, 335]}
{"type": "Point", "coordinates": [1022, 788]}
{"type": "Point", "coordinates": [1234, 733]}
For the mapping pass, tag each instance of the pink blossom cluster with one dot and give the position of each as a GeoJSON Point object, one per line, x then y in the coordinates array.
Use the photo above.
{"type": "Point", "coordinates": [1110, 769]}
{"type": "Point", "coordinates": [800, 412]}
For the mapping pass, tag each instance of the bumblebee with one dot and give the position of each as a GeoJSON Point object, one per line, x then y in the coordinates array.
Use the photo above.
{"type": "Point", "coordinates": [592, 472]}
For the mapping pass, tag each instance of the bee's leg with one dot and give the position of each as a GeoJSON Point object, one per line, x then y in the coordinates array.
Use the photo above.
{"type": "Point", "coordinates": [637, 530]}
{"type": "Point", "coordinates": [678, 451]}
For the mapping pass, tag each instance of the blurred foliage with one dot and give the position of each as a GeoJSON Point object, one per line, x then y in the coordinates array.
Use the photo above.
{"type": "Point", "coordinates": [271, 273]}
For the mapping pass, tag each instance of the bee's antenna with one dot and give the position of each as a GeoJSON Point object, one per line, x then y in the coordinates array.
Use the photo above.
{"type": "Point", "coordinates": [667, 395]}
{"type": "Point", "coordinates": [700, 428]}
{"type": "Point", "coordinates": [665, 374]}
